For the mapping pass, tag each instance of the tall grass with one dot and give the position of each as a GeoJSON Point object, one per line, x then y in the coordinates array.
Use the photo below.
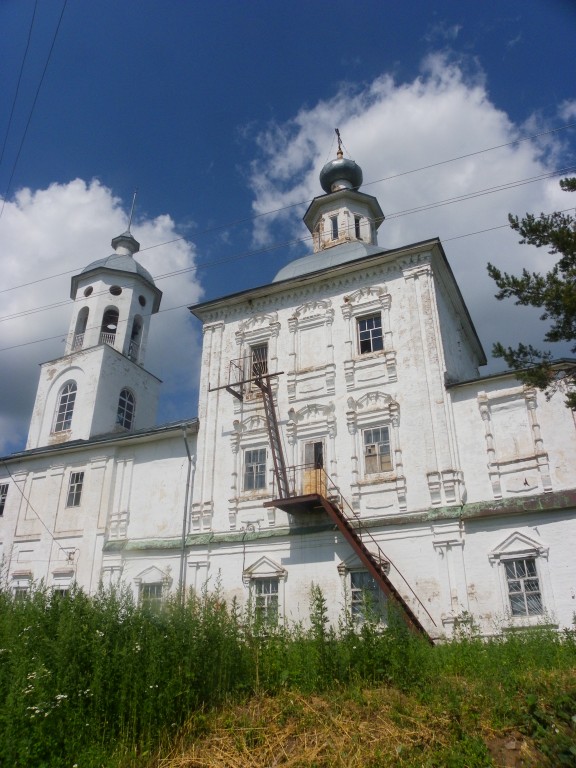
{"type": "Point", "coordinates": [99, 681]}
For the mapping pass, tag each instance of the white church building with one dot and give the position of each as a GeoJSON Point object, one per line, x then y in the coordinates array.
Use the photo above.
{"type": "Point", "coordinates": [344, 439]}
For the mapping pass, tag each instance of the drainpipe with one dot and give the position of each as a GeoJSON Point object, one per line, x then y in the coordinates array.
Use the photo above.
{"type": "Point", "coordinates": [189, 487]}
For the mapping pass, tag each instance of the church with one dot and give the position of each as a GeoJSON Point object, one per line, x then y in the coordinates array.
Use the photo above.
{"type": "Point", "coordinates": [344, 439]}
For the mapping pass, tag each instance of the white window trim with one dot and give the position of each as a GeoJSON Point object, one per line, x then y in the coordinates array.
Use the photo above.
{"type": "Point", "coordinates": [57, 408]}
{"type": "Point", "coordinates": [266, 568]}
{"type": "Point", "coordinates": [519, 546]}
{"type": "Point", "coordinates": [265, 491]}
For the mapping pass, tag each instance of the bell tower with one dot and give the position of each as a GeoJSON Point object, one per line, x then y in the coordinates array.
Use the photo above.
{"type": "Point", "coordinates": [100, 385]}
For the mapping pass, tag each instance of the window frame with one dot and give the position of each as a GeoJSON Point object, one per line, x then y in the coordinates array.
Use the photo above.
{"type": "Point", "coordinates": [334, 234]}
{"type": "Point", "coordinates": [151, 602]}
{"type": "Point", "coordinates": [126, 410]}
{"type": "Point", "coordinates": [258, 362]}
{"type": "Point", "coordinates": [254, 481]}
{"type": "Point", "coordinates": [383, 458]}
{"type": "Point", "coordinates": [65, 407]}
{"type": "Point", "coordinates": [521, 592]}
{"type": "Point", "coordinates": [266, 604]}
{"type": "Point", "coordinates": [367, 601]}
{"type": "Point", "coordinates": [371, 341]}
{"type": "Point", "coordinates": [3, 496]}
{"type": "Point", "coordinates": [75, 487]}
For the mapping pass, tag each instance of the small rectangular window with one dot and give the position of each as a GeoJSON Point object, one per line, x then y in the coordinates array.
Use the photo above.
{"type": "Point", "coordinates": [21, 593]}
{"type": "Point", "coordinates": [3, 495]}
{"type": "Point", "coordinates": [523, 587]}
{"type": "Point", "coordinates": [334, 227]}
{"type": "Point", "coordinates": [357, 230]}
{"type": "Point", "coordinates": [75, 489]}
{"type": "Point", "coordinates": [366, 598]}
{"type": "Point", "coordinates": [255, 469]}
{"type": "Point", "coordinates": [377, 451]}
{"type": "Point", "coordinates": [266, 600]}
{"type": "Point", "coordinates": [151, 595]}
{"type": "Point", "coordinates": [370, 334]}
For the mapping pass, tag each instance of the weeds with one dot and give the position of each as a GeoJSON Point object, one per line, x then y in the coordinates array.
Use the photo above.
{"type": "Point", "coordinates": [92, 681]}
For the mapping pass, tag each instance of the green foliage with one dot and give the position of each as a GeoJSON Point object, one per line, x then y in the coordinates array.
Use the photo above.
{"type": "Point", "coordinates": [96, 681]}
{"type": "Point", "coordinates": [554, 292]}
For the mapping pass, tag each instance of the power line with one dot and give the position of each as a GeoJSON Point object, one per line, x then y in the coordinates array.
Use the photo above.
{"type": "Point", "coordinates": [15, 99]}
{"type": "Point", "coordinates": [255, 216]}
{"type": "Point", "coordinates": [307, 238]}
{"type": "Point", "coordinates": [63, 335]}
{"type": "Point", "coordinates": [32, 109]}
{"type": "Point", "coordinates": [29, 503]}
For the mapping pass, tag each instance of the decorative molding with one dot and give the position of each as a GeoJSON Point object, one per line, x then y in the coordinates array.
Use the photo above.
{"type": "Point", "coordinates": [309, 418]}
{"type": "Point", "coordinates": [520, 473]}
{"type": "Point", "coordinates": [516, 545]}
{"type": "Point", "coordinates": [262, 568]}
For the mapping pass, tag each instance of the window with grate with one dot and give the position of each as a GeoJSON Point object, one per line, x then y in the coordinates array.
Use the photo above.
{"type": "Point", "coordinates": [370, 334]}
{"type": "Point", "coordinates": [523, 587]}
{"type": "Point", "coordinates": [65, 407]}
{"type": "Point", "coordinates": [3, 495]}
{"type": "Point", "coordinates": [255, 469]}
{"type": "Point", "coordinates": [377, 452]}
{"type": "Point", "coordinates": [265, 593]}
{"type": "Point", "coordinates": [126, 407]}
{"type": "Point", "coordinates": [75, 489]}
{"type": "Point", "coordinates": [258, 360]}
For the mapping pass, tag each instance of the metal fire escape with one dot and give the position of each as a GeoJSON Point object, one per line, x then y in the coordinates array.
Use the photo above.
{"type": "Point", "coordinates": [320, 493]}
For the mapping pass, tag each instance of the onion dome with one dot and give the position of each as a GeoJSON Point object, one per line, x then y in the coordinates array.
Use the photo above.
{"type": "Point", "coordinates": [340, 173]}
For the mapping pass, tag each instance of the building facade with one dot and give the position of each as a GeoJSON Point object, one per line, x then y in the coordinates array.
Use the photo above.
{"type": "Point", "coordinates": [350, 382]}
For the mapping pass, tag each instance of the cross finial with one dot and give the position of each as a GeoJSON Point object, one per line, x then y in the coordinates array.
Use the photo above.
{"type": "Point", "coordinates": [339, 153]}
{"type": "Point", "coordinates": [132, 209]}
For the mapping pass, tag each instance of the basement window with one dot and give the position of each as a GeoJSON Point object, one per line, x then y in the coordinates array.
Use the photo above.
{"type": "Point", "coordinates": [151, 595]}
{"type": "Point", "coordinates": [523, 587]}
{"type": "Point", "coordinates": [367, 603]}
{"type": "Point", "coordinates": [265, 594]}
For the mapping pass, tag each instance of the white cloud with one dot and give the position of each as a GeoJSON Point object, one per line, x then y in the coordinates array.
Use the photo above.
{"type": "Point", "coordinates": [393, 128]}
{"type": "Point", "coordinates": [61, 229]}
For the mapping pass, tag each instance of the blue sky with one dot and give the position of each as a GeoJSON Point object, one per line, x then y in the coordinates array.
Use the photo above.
{"type": "Point", "coordinates": [219, 111]}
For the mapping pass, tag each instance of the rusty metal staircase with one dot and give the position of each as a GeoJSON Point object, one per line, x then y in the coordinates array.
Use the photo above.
{"type": "Point", "coordinates": [358, 536]}
{"type": "Point", "coordinates": [324, 496]}
{"type": "Point", "coordinates": [263, 384]}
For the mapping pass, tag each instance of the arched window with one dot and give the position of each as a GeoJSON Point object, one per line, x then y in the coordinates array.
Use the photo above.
{"type": "Point", "coordinates": [109, 326]}
{"type": "Point", "coordinates": [65, 407]}
{"type": "Point", "coordinates": [135, 336]}
{"type": "Point", "coordinates": [125, 414]}
{"type": "Point", "coordinates": [81, 323]}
